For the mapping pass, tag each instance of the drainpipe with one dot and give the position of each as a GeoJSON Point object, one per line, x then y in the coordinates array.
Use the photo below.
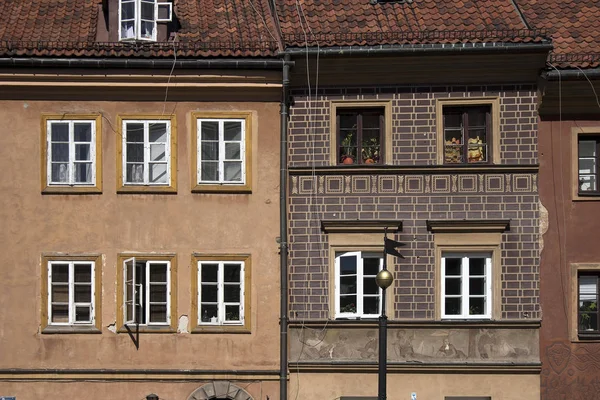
{"type": "Point", "coordinates": [283, 244]}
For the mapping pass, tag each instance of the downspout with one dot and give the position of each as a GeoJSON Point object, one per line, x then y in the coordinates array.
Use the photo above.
{"type": "Point", "coordinates": [283, 244]}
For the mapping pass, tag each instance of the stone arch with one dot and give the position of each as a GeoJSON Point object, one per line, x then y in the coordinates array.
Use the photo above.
{"type": "Point", "coordinates": [219, 390]}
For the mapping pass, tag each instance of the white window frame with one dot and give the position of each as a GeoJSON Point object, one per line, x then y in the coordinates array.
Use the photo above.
{"type": "Point", "coordinates": [221, 304]}
{"type": "Point", "coordinates": [359, 285]}
{"type": "Point", "coordinates": [465, 295]}
{"type": "Point", "coordinates": [137, 20]}
{"type": "Point", "coordinates": [71, 284]}
{"type": "Point", "coordinates": [146, 162]}
{"type": "Point", "coordinates": [222, 159]}
{"type": "Point", "coordinates": [137, 301]}
{"type": "Point", "coordinates": [72, 162]}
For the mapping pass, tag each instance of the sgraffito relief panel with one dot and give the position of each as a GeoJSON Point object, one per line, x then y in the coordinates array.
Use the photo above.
{"type": "Point", "coordinates": [423, 345]}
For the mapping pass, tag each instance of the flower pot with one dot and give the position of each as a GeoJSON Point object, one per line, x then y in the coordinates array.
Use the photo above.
{"type": "Point", "coordinates": [369, 161]}
{"type": "Point", "coordinates": [348, 160]}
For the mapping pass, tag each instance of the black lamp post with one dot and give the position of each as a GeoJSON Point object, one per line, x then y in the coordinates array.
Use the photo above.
{"type": "Point", "coordinates": [384, 279]}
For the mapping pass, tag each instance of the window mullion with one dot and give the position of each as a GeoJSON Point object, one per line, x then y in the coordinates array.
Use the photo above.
{"type": "Point", "coordinates": [221, 151]}
{"type": "Point", "coordinates": [146, 299]}
{"type": "Point", "coordinates": [360, 298]}
{"type": "Point", "coordinates": [146, 153]}
{"type": "Point", "coordinates": [465, 136]}
{"type": "Point", "coordinates": [465, 286]}
{"type": "Point", "coordinates": [71, 164]}
{"type": "Point", "coordinates": [71, 293]}
{"type": "Point", "coordinates": [359, 138]}
{"type": "Point", "coordinates": [221, 292]}
{"type": "Point", "coordinates": [137, 26]}
{"type": "Point", "coordinates": [443, 286]}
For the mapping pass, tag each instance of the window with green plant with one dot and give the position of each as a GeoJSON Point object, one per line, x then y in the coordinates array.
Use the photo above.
{"type": "Point", "coordinates": [588, 304]}
{"type": "Point", "coordinates": [360, 135]}
{"type": "Point", "coordinates": [356, 293]}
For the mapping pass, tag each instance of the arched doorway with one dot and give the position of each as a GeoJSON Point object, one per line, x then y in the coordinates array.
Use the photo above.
{"type": "Point", "coordinates": [221, 390]}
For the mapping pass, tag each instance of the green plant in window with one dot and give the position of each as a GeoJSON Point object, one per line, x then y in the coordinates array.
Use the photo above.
{"type": "Point", "coordinates": [348, 146]}
{"type": "Point", "coordinates": [585, 320]}
{"type": "Point", "coordinates": [349, 308]}
{"type": "Point", "coordinates": [370, 151]}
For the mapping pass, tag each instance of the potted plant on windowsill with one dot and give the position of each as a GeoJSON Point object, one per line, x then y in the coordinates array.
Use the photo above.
{"type": "Point", "coordinates": [370, 151]}
{"type": "Point", "coordinates": [347, 149]}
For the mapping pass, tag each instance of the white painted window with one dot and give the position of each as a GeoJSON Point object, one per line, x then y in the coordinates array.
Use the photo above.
{"type": "Point", "coordinates": [221, 292]}
{"type": "Point", "coordinates": [356, 292]}
{"type": "Point", "coordinates": [138, 18]}
{"type": "Point", "coordinates": [147, 152]}
{"type": "Point", "coordinates": [147, 292]}
{"type": "Point", "coordinates": [221, 151]}
{"type": "Point", "coordinates": [71, 293]}
{"type": "Point", "coordinates": [71, 152]}
{"type": "Point", "coordinates": [466, 285]}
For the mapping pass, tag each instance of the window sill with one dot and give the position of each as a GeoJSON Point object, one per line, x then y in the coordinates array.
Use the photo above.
{"type": "Point", "coordinates": [85, 329]}
{"type": "Point", "coordinates": [221, 188]}
{"type": "Point", "coordinates": [586, 197]}
{"type": "Point", "coordinates": [147, 329]}
{"type": "Point", "coordinates": [72, 190]}
{"type": "Point", "coordinates": [147, 189]}
{"type": "Point", "coordinates": [221, 329]}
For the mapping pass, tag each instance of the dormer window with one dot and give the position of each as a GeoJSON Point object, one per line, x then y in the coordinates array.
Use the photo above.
{"type": "Point", "coordinates": [138, 18]}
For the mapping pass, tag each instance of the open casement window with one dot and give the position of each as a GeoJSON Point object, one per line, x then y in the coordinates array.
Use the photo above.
{"type": "Point", "coordinates": [71, 293]}
{"type": "Point", "coordinates": [356, 292]}
{"type": "Point", "coordinates": [467, 131]}
{"type": "Point", "coordinates": [588, 147]}
{"type": "Point", "coordinates": [466, 285]}
{"type": "Point", "coordinates": [360, 134]}
{"type": "Point", "coordinates": [138, 18]}
{"type": "Point", "coordinates": [221, 151]}
{"type": "Point", "coordinates": [588, 324]}
{"type": "Point", "coordinates": [221, 292]}
{"type": "Point", "coordinates": [147, 292]}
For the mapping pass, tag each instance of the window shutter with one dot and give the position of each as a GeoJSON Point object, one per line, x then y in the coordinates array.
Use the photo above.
{"type": "Point", "coordinates": [129, 288]}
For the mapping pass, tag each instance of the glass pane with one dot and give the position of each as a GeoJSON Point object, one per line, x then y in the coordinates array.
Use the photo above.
{"type": "Point", "coordinates": [83, 132]}
{"type": "Point", "coordinates": [477, 266]}
{"type": "Point", "coordinates": [233, 131]}
{"type": "Point", "coordinates": [135, 152]}
{"type": "Point", "coordinates": [83, 272]}
{"type": "Point", "coordinates": [588, 321]}
{"type": "Point", "coordinates": [453, 151]}
{"type": "Point", "coordinates": [477, 150]}
{"type": "Point", "coordinates": [158, 152]}
{"type": "Point", "coordinates": [158, 273]}
{"type": "Point", "coordinates": [158, 293]}
{"type": "Point", "coordinates": [83, 172]}
{"type": "Point", "coordinates": [127, 10]}
{"type": "Point", "coordinates": [453, 286]}
{"type": "Point", "coordinates": [371, 305]}
{"type": "Point", "coordinates": [477, 286]}
{"type": "Point", "coordinates": [371, 148]}
{"type": "Point", "coordinates": [587, 148]}
{"type": "Point", "coordinates": [347, 284]}
{"type": "Point", "coordinates": [453, 305]}
{"type": "Point", "coordinates": [233, 151]}
{"type": "Point", "coordinates": [347, 265]}
{"type": "Point", "coordinates": [127, 30]}
{"type": "Point", "coordinates": [231, 293]}
{"type": "Point", "coordinates": [209, 130]}
{"type": "Point", "coordinates": [209, 272]}
{"type": "Point", "coordinates": [232, 273]}
{"type": "Point", "coordinates": [587, 183]}
{"type": "Point", "coordinates": [60, 172]}
{"type": "Point", "coordinates": [348, 304]}
{"type": "Point", "coordinates": [147, 29]}
{"type": "Point", "coordinates": [60, 152]}
{"type": "Point", "coordinates": [83, 314]}
{"type": "Point", "coordinates": [370, 286]}
{"type": "Point", "coordinates": [348, 121]}
{"type": "Point", "coordinates": [60, 294]}
{"type": "Point", "coordinates": [232, 313]}
{"type": "Point", "coordinates": [60, 273]}
{"type": "Point", "coordinates": [348, 145]}
{"type": "Point", "coordinates": [60, 313]}
{"type": "Point", "coordinates": [209, 171]}
{"type": "Point", "coordinates": [453, 266]}
{"type": "Point", "coordinates": [158, 173]}
{"type": "Point", "coordinates": [588, 289]}
{"type": "Point", "coordinates": [158, 313]}
{"type": "Point", "coordinates": [587, 165]}
{"type": "Point", "coordinates": [209, 151]}
{"type": "Point", "coordinates": [371, 266]}
{"type": "Point", "coordinates": [476, 306]}
{"type": "Point", "coordinates": [370, 121]}
{"type": "Point", "coordinates": [452, 119]}
{"type": "Point", "coordinates": [207, 312]}
{"type": "Point", "coordinates": [148, 11]}
{"type": "Point", "coordinates": [135, 133]}
{"type": "Point", "coordinates": [233, 171]}
{"type": "Point", "coordinates": [83, 294]}
{"type": "Point", "coordinates": [208, 293]}
{"type": "Point", "coordinates": [59, 132]}
{"type": "Point", "coordinates": [477, 116]}
{"type": "Point", "coordinates": [135, 173]}
{"type": "Point", "coordinates": [158, 132]}
{"type": "Point", "coordinates": [82, 152]}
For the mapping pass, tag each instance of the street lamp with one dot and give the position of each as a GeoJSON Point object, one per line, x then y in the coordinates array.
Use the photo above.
{"type": "Point", "coordinates": [383, 279]}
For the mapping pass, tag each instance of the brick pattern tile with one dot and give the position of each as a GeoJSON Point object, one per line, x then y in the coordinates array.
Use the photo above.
{"type": "Point", "coordinates": [413, 122]}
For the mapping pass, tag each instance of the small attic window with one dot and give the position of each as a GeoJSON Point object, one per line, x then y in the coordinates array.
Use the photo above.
{"type": "Point", "coordinates": [138, 18]}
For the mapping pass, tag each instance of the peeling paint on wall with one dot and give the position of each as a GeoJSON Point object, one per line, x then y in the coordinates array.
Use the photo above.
{"type": "Point", "coordinates": [112, 327]}
{"type": "Point", "coordinates": [183, 324]}
{"type": "Point", "coordinates": [543, 225]}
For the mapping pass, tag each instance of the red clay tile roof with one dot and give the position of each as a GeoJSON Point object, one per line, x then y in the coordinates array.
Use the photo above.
{"type": "Point", "coordinates": [574, 26]}
{"type": "Point", "coordinates": [357, 22]}
{"type": "Point", "coordinates": [209, 28]}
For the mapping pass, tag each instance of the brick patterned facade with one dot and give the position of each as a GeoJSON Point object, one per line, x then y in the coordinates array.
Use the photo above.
{"type": "Point", "coordinates": [413, 121]}
{"type": "Point", "coordinates": [413, 197]}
